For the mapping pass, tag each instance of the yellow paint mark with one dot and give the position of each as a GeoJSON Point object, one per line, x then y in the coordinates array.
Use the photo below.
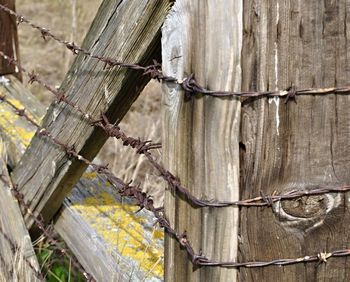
{"type": "Point", "coordinates": [8, 120]}
{"type": "Point", "coordinates": [123, 229]}
{"type": "Point", "coordinates": [158, 235]}
{"type": "Point", "coordinates": [90, 175]}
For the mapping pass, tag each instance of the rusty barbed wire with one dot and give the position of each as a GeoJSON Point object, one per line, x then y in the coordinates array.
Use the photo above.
{"type": "Point", "coordinates": [320, 257]}
{"type": "Point", "coordinates": [145, 201]}
{"type": "Point", "coordinates": [14, 247]}
{"type": "Point", "coordinates": [191, 87]}
{"type": "Point", "coordinates": [144, 147]}
{"type": "Point", "coordinates": [40, 223]}
{"type": "Point", "coordinates": [33, 77]}
{"type": "Point", "coordinates": [189, 83]}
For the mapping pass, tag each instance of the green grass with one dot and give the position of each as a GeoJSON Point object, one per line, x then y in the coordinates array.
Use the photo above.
{"type": "Point", "coordinates": [55, 266]}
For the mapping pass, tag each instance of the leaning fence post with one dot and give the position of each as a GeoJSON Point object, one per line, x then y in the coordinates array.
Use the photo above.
{"type": "Point", "coordinates": [200, 138]}
{"type": "Point", "coordinates": [8, 39]}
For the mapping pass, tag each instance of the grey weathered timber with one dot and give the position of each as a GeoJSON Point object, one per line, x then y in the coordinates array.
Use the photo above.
{"type": "Point", "coordinates": [125, 30]}
{"type": "Point", "coordinates": [296, 145]}
{"type": "Point", "coordinates": [17, 257]}
{"type": "Point", "coordinates": [8, 39]}
{"type": "Point", "coordinates": [107, 236]}
{"type": "Point", "coordinates": [111, 240]}
{"type": "Point", "coordinates": [200, 136]}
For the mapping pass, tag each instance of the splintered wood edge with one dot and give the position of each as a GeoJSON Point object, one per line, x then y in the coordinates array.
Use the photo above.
{"type": "Point", "coordinates": [104, 231]}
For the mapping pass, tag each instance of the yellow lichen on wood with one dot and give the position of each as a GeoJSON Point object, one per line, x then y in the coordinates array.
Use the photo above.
{"type": "Point", "coordinates": [91, 175]}
{"type": "Point", "coordinates": [123, 229]}
{"type": "Point", "coordinates": [16, 131]}
{"type": "Point", "coordinates": [11, 126]}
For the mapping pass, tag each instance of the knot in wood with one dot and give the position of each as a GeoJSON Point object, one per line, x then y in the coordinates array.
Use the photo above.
{"type": "Point", "coordinates": [307, 212]}
{"type": "Point", "coordinates": [306, 206]}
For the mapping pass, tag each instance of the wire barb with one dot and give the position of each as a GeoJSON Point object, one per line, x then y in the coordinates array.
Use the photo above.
{"type": "Point", "coordinates": [191, 87]}
{"type": "Point", "coordinates": [189, 84]}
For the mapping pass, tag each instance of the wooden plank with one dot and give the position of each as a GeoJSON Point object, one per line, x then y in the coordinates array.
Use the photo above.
{"type": "Point", "coordinates": [18, 261]}
{"type": "Point", "coordinates": [124, 30]}
{"type": "Point", "coordinates": [200, 137]}
{"type": "Point", "coordinates": [108, 236]}
{"type": "Point", "coordinates": [9, 39]}
{"type": "Point", "coordinates": [295, 146]}
{"type": "Point", "coordinates": [101, 229]}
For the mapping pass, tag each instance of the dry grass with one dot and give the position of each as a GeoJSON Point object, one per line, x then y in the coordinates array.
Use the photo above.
{"type": "Point", "coordinates": [71, 19]}
{"type": "Point", "coordinates": [143, 120]}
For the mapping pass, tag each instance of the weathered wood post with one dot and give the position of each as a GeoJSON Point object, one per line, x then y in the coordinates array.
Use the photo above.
{"type": "Point", "coordinates": [200, 136]}
{"type": "Point", "coordinates": [8, 39]}
{"type": "Point", "coordinates": [295, 145]}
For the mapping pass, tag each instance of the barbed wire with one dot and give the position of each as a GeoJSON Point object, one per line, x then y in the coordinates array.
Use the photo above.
{"type": "Point", "coordinates": [191, 87]}
{"type": "Point", "coordinates": [320, 257]}
{"type": "Point", "coordinates": [40, 223]}
{"type": "Point", "coordinates": [14, 247]}
{"type": "Point", "coordinates": [144, 147]}
{"type": "Point", "coordinates": [188, 84]}
{"type": "Point", "coordinates": [145, 201]}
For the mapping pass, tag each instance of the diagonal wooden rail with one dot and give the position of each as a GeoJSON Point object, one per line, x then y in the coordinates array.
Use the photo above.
{"type": "Point", "coordinates": [45, 174]}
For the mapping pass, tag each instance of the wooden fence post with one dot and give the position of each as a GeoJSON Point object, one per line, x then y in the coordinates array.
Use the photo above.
{"type": "Point", "coordinates": [200, 136]}
{"type": "Point", "coordinates": [8, 39]}
{"type": "Point", "coordinates": [295, 145]}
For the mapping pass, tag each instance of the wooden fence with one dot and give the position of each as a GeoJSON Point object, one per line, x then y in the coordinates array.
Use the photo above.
{"type": "Point", "coordinates": [286, 159]}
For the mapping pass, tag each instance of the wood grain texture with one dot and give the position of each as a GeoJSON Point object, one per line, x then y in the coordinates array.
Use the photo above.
{"type": "Point", "coordinates": [295, 146]}
{"type": "Point", "coordinates": [106, 234]}
{"type": "Point", "coordinates": [8, 39]}
{"type": "Point", "coordinates": [200, 136]}
{"type": "Point", "coordinates": [19, 263]}
{"type": "Point", "coordinates": [126, 30]}
{"type": "Point", "coordinates": [111, 240]}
